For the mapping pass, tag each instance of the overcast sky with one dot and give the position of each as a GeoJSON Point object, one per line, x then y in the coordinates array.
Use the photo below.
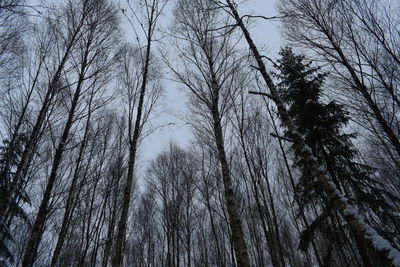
{"type": "Point", "coordinates": [173, 106]}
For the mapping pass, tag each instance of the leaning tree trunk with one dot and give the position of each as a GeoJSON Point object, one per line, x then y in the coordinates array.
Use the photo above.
{"type": "Point", "coordinates": [37, 128]}
{"type": "Point", "coordinates": [71, 194]}
{"type": "Point", "coordinates": [292, 183]}
{"type": "Point", "coordinates": [38, 226]}
{"type": "Point", "coordinates": [5, 214]}
{"type": "Point", "coordinates": [380, 250]}
{"type": "Point", "coordinates": [31, 144]}
{"type": "Point", "coordinates": [368, 98]}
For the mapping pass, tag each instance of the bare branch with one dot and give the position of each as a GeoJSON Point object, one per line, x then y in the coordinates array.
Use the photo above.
{"type": "Point", "coordinates": [264, 17]}
{"type": "Point", "coordinates": [261, 93]}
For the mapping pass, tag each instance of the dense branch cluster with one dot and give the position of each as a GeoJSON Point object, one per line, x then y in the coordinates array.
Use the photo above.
{"type": "Point", "coordinates": [293, 158]}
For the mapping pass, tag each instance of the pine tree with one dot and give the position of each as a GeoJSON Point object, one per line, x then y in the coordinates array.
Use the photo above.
{"type": "Point", "coordinates": [321, 124]}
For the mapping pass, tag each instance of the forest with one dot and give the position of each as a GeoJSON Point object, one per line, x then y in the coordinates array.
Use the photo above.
{"type": "Point", "coordinates": [292, 159]}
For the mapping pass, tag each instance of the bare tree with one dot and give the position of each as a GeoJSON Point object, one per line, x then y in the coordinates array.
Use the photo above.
{"type": "Point", "coordinates": [91, 61]}
{"type": "Point", "coordinates": [13, 24]}
{"type": "Point", "coordinates": [171, 177]}
{"type": "Point", "coordinates": [55, 85]}
{"type": "Point", "coordinates": [216, 248]}
{"type": "Point", "coordinates": [152, 10]}
{"type": "Point", "coordinates": [255, 150]}
{"type": "Point", "coordinates": [367, 238]}
{"type": "Point", "coordinates": [210, 71]}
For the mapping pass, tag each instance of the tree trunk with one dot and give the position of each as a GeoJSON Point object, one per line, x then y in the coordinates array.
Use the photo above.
{"type": "Point", "coordinates": [363, 232]}
{"type": "Point", "coordinates": [133, 143]}
{"type": "Point", "coordinates": [37, 128]}
{"type": "Point", "coordinates": [71, 195]}
{"type": "Point", "coordinates": [239, 243]}
{"type": "Point", "coordinates": [367, 96]}
{"type": "Point", "coordinates": [38, 226]}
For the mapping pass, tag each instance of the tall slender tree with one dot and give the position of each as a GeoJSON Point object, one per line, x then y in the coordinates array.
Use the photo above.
{"type": "Point", "coordinates": [370, 240]}
{"type": "Point", "coordinates": [137, 111]}
{"type": "Point", "coordinates": [91, 64]}
{"type": "Point", "coordinates": [211, 66]}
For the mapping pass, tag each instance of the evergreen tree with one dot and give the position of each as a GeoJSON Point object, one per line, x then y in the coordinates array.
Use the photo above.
{"type": "Point", "coordinates": [10, 154]}
{"type": "Point", "coordinates": [321, 124]}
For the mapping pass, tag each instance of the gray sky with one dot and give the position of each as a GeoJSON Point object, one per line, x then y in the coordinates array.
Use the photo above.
{"type": "Point", "coordinates": [173, 106]}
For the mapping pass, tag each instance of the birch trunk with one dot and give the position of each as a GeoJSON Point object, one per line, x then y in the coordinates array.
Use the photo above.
{"type": "Point", "coordinates": [133, 143]}
{"type": "Point", "coordinates": [380, 250]}
{"type": "Point", "coordinates": [238, 240]}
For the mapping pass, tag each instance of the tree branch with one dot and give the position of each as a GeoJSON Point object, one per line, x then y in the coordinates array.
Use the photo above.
{"type": "Point", "coordinates": [264, 17]}
{"type": "Point", "coordinates": [261, 93]}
